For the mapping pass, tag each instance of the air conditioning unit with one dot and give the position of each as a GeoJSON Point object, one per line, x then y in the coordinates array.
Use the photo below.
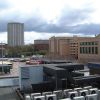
{"type": "Point", "coordinates": [66, 99]}
{"type": "Point", "coordinates": [27, 97]}
{"type": "Point", "coordinates": [83, 92]}
{"type": "Point", "coordinates": [72, 94]}
{"type": "Point", "coordinates": [65, 92]}
{"type": "Point", "coordinates": [35, 94]}
{"type": "Point", "coordinates": [39, 98]}
{"type": "Point", "coordinates": [46, 93]}
{"type": "Point", "coordinates": [87, 87]}
{"type": "Point", "coordinates": [59, 94]}
{"type": "Point", "coordinates": [51, 97]}
{"type": "Point", "coordinates": [79, 98]}
{"type": "Point", "coordinates": [92, 97]}
{"type": "Point", "coordinates": [93, 91]}
{"type": "Point", "coordinates": [98, 94]}
{"type": "Point", "coordinates": [77, 89]}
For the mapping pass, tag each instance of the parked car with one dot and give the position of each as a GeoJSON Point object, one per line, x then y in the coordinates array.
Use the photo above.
{"type": "Point", "coordinates": [33, 62]}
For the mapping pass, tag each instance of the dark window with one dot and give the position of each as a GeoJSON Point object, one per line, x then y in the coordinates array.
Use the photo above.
{"type": "Point", "coordinates": [89, 43]}
{"type": "Point", "coordinates": [86, 43]}
{"type": "Point", "coordinates": [92, 50]}
{"type": "Point", "coordinates": [81, 50]}
{"type": "Point", "coordinates": [96, 43]}
{"type": "Point", "coordinates": [89, 50]}
{"type": "Point", "coordinates": [86, 50]}
{"type": "Point", "coordinates": [92, 43]}
{"type": "Point", "coordinates": [96, 50]}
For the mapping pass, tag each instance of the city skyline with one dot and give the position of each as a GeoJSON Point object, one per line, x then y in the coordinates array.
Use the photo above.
{"type": "Point", "coordinates": [46, 18]}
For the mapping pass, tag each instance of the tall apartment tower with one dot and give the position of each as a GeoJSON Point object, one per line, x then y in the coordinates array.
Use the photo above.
{"type": "Point", "coordinates": [15, 34]}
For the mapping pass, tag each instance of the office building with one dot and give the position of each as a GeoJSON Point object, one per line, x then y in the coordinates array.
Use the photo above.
{"type": "Point", "coordinates": [89, 49]}
{"type": "Point", "coordinates": [84, 49]}
{"type": "Point", "coordinates": [15, 34]}
{"type": "Point", "coordinates": [66, 47]}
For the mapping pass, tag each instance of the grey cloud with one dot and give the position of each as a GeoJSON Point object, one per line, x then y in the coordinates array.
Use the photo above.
{"type": "Point", "coordinates": [68, 22]}
{"type": "Point", "coordinates": [72, 16]}
{"type": "Point", "coordinates": [64, 23]}
{"type": "Point", "coordinates": [87, 28]}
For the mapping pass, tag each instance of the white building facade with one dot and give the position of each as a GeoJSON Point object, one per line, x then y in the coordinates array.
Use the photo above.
{"type": "Point", "coordinates": [15, 34]}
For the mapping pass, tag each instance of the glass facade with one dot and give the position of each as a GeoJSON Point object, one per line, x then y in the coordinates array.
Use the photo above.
{"type": "Point", "coordinates": [89, 50]}
{"type": "Point", "coordinates": [89, 47]}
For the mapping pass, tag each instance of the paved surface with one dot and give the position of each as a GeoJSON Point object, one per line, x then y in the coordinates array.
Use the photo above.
{"type": "Point", "coordinates": [12, 78]}
{"type": "Point", "coordinates": [14, 72]}
{"type": "Point", "coordinates": [8, 93]}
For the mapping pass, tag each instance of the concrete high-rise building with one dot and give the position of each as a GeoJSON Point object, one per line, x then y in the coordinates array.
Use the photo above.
{"type": "Point", "coordinates": [15, 34]}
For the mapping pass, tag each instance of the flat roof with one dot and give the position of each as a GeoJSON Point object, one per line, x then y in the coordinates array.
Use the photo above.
{"type": "Point", "coordinates": [52, 66]}
{"type": "Point", "coordinates": [94, 64]}
{"type": "Point", "coordinates": [36, 65]}
{"type": "Point", "coordinates": [8, 93]}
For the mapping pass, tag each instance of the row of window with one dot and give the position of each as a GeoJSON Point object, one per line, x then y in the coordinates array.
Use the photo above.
{"type": "Point", "coordinates": [89, 50]}
{"type": "Point", "coordinates": [89, 43]}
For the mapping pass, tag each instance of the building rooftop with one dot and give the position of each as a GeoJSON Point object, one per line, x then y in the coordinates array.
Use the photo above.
{"type": "Point", "coordinates": [8, 93]}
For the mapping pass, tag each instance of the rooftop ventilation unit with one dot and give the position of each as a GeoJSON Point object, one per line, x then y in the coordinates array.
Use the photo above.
{"type": "Point", "coordinates": [46, 93]}
{"type": "Point", "coordinates": [51, 97]}
{"type": "Point", "coordinates": [98, 94]}
{"type": "Point", "coordinates": [87, 87]}
{"type": "Point", "coordinates": [72, 94]}
{"type": "Point", "coordinates": [66, 99]}
{"type": "Point", "coordinates": [59, 94]}
{"type": "Point", "coordinates": [77, 89]}
{"type": "Point", "coordinates": [27, 97]}
{"type": "Point", "coordinates": [66, 92]}
{"type": "Point", "coordinates": [35, 94]}
{"type": "Point", "coordinates": [92, 97]}
{"type": "Point", "coordinates": [93, 91]}
{"type": "Point", "coordinates": [39, 98]}
{"type": "Point", "coordinates": [83, 93]}
{"type": "Point", "coordinates": [79, 98]}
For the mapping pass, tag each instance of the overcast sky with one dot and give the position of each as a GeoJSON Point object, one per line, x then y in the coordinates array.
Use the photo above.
{"type": "Point", "coordinates": [46, 18]}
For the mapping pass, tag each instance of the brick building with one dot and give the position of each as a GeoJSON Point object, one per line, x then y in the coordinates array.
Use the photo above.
{"type": "Point", "coordinates": [40, 45]}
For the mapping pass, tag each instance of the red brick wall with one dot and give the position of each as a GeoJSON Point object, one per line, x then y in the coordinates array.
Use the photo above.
{"type": "Point", "coordinates": [40, 47]}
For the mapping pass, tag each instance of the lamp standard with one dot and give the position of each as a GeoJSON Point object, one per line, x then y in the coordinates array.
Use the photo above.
{"type": "Point", "coordinates": [2, 56]}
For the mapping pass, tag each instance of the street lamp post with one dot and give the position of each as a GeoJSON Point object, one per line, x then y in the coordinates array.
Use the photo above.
{"type": "Point", "coordinates": [2, 56]}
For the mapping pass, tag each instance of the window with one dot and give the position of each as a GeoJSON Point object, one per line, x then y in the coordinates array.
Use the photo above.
{"type": "Point", "coordinates": [81, 50]}
{"type": "Point", "coordinates": [89, 50]}
{"type": "Point", "coordinates": [93, 43]}
{"type": "Point", "coordinates": [96, 50]}
{"type": "Point", "coordinates": [81, 43]}
{"type": "Point", "coordinates": [92, 50]}
{"type": "Point", "coordinates": [85, 43]}
{"type": "Point", "coordinates": [86, 51]}
{"type": "Point", "coordinates": [96, 43]}
{"type": "Point", "coordinates": [89, 43]}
